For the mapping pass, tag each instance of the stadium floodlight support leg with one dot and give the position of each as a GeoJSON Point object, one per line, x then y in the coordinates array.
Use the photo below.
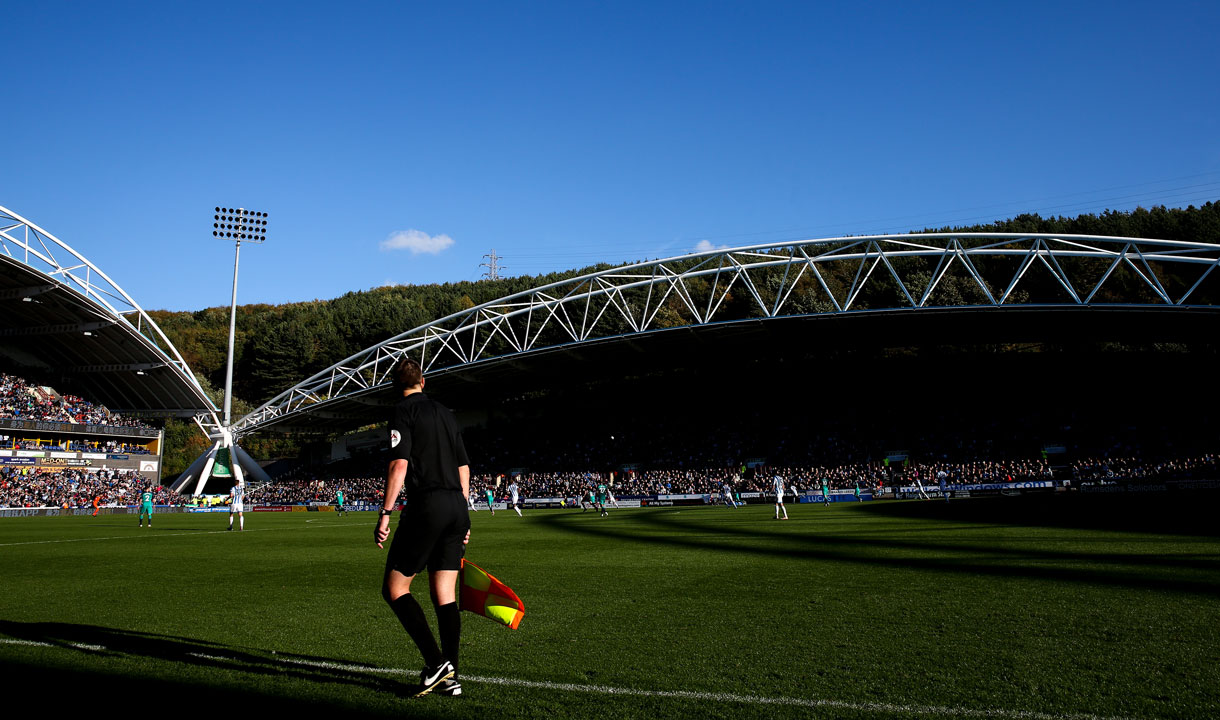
{"type": "Point", "coordinates": [232, 339]}
{"type": "Point", "coordinates": [192, 481]}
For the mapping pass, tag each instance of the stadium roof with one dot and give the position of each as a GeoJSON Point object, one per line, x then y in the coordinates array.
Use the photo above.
{"type": "Point", "coordinates": [771, 353]}
{"type": "Point", "coordinates": [66, 323]}
{"type": "Point", "coordinates": [798, 300]}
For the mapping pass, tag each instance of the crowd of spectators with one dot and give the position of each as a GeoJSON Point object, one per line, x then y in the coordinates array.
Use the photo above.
{"type": "Point", "coordinates": [1106, 469]}
{"type": "Point", "coordinates": [362, 480]}
{"type": "Point", "coordinates": [980, 471]}
{"type": "Point", "coordinates": [22, 400]}
{"type": "Point", "coordinates": [865, 474]}
{"type": "Point", "coordinates": [306, 490]}
{"type": "Point", "coordinates": [843, 452]}
{"type": "Point", "coordinates": [656, 452]}
{"type": "Point", "coordinates": [75, 487]}
{"type": "Point", "coordinates": [660, 454]}
{"type": "Point", "coordinates": [110, 447]}
{"type": "Point", "coordinates": [361, 484]}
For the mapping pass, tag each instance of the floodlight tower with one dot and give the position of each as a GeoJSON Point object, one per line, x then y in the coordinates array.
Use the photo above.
{"type": "Point", "coordinates": [239, 225]}
{"type": "Point", "coordinates": [225, 459]}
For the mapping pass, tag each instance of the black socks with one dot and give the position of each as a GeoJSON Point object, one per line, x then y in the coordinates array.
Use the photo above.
{"type": "Point", "coordinates": [411, 615]}
{"type": "Point", "coordinates": [449, 625]}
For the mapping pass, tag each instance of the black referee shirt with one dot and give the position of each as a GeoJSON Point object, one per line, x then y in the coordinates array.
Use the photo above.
{"type": "Point", "coordinates": [425, 434]}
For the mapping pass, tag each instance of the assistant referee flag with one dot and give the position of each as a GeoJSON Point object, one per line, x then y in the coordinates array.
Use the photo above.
{"type": "Point", "coordinates": [484, 595]}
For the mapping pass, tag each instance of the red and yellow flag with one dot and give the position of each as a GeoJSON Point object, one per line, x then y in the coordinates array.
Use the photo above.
{"type": "Point", "coordinates": [482, 594]}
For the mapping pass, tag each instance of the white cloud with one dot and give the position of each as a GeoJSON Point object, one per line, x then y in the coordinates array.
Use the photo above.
{"type": "Point", "coordinates": [417, 241]}
{"type": "Point", "coordinates": [707, 246]}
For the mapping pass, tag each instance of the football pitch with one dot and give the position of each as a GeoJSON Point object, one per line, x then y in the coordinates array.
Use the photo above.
{"type": "Point", "coordinates": [1037, 608]}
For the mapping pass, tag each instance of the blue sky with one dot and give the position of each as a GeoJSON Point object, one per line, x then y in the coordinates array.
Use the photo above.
{"type": "Point", "coordinates": [567, 133]}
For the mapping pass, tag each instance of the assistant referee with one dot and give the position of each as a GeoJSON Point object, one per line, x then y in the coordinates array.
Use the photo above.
{"type": "Point", "coordinates": [427, 455]}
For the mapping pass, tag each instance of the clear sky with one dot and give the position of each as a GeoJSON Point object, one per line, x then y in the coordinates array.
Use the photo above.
{"type": "Point", "coordinates": [400, 142]}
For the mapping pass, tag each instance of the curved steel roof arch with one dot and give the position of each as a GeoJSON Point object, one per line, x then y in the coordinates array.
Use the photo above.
{"type": "Point", "coordinates": [110, 311]}
{"type": "Point", "coordinates": [830, 276]}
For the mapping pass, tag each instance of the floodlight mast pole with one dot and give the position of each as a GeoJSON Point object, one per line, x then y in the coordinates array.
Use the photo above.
{"type": "Point", "coordinates": [237, 224]}
{"type": "Point", "coordinates": [232, 339]}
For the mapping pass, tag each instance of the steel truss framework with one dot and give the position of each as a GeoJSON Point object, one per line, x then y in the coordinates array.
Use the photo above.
{"type": "Point", "coordinates": [812, 277]}
{"type": "Point", "coordinates": [38, 249]}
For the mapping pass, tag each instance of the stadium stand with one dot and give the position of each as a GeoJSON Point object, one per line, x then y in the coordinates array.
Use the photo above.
{"type": "Point", "coordinates": [659, 456]}
{"type": "Point", "coordinates": [320, 485]}
{"type": "Point", "coordinates": [306, 490]}
{"type": "Point", "coordinates": [363, 485]}
{"type": "Point", "coordinates": [75, 488]}
{"type": "Point", "coordinates": [60, 450]}
{"type": "Point", "coordinates": [22, 400]}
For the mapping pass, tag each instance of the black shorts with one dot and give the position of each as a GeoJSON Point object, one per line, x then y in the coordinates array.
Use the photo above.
{"type": "Point", "coordinates": [430, 534]}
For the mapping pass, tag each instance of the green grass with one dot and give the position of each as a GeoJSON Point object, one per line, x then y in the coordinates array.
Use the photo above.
{"type": "Point", "coordinates": [1059, 606]}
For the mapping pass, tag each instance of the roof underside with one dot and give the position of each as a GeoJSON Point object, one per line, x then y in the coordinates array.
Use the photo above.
{"type": "Point", "coordinates": [53, 335]}
{"type": "Point", "coordinates": [758, 349]}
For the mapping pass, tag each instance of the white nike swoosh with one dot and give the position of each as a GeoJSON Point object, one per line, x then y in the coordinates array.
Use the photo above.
{"type": "Point", "coordinates": [442, 670]}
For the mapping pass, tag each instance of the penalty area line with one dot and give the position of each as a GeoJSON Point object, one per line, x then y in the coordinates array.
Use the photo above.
{"type": "Point", "coordinates": [876, 707]}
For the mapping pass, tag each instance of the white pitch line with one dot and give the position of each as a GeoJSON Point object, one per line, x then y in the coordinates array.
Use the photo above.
{"type": "Point", "coordinates": [889, 708]}
{"type": "Point", "coordinates": [131, 537]}
{"type": "Point", "coordinates": [35, 643]}
{"type": "Point", "coordinates": [161, 535]}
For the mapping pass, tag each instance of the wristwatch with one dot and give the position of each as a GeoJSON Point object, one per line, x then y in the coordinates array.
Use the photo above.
{"type": "Point", "coordinates": [385, 512]}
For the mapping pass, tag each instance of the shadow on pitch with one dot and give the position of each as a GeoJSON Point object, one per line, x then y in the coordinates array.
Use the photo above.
{"type": "Point", "coordinates": [902, 551]}
{"type": "Point", "coordinates": [210, 671]}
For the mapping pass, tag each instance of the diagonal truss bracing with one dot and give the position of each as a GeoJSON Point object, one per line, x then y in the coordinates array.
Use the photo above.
{"type": "Point", "coordinates": [823, 276]}
{"type": "Point", "coordinates": [23, 241]}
